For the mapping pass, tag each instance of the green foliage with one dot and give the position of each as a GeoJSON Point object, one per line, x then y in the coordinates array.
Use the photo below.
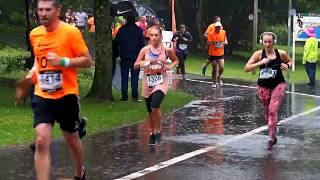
{"type": "Point", "coordinates": [16, 18]}
{"type": "Point", "coordinates": [308, 6]}
{"type": "Point", "coordinates": [86, 73]}
{"type": "Point", "coordinates": [281, 30]}
{"type": "Point", "coordinates": [12, 59]}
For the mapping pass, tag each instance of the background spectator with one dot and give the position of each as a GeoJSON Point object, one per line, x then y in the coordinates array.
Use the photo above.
{"type": "Point", "coordinates": [82, 18]}
{"type": "Point", "coordinates": [130, 39]}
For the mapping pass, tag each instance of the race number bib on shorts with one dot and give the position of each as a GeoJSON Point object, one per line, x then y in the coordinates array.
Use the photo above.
{"type": "Point", "coordinates": [219, 44]}
{"type": "Point", "coordinates": [50, 81]}
{"type": "Point", "coordinates": [154, 79]}
{"type": "Point", "coordinates": [267, 73]}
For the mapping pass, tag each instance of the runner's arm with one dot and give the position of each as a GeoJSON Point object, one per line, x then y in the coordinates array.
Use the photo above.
{"type": "Point", "coordinates": [253, 62]}
{"type": "Point", "coordinates": [189, 37]}
{"type": "Point", "coordinates": [83, 61]}
{"type": "Point", "coordinates": [32, 71]}
{"type": "Point", "coordinates": [286, 60]}
{"type": "Point", "coordinates": [226, 39]}
{"type": "Point", "coordinates": [173, 57]}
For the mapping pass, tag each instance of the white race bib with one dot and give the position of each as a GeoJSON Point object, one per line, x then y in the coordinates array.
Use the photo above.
{"type": "Point", "coordinates": [50, 81]}
{"type": "Point", "coordinates": [267, 73]}
{"type": "Point", "coordinates": [218, 44]}
{"type": "Point", "coordinates": [154, 79]}
{"type": "Point", "coordinates": [183, 46]}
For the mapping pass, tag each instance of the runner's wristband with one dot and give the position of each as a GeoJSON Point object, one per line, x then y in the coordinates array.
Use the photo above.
{"type": "Point", "coordinates": [65, 62]}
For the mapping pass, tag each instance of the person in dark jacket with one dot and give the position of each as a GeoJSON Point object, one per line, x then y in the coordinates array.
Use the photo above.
{"type": "Point", "coordinates": [130, 40]}
{"type": "Point", "coordinates": [182, 38]}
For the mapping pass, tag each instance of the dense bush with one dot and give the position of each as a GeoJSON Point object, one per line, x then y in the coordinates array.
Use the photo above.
{"type": "Point", "coordinates": [16, 18]}
{"type": "Point", "coordinates": [281, 31]}
{"type": "Point", "coordinates": [12, 59]}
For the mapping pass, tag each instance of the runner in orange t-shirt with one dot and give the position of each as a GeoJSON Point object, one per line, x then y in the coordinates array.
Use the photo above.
{"type": "Point", "coordinates": [209, 30]}
{"type": "Point", "coordinates": [216, 42]}
{"type": "Point", "coordinates": [59, 50]}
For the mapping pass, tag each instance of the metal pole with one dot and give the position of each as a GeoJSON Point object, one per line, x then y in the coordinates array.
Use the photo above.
{"type": "Point", "coordinates": [255, 25]}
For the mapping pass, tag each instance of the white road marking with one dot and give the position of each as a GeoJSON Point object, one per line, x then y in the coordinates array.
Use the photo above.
{"type": "Point", "coordinates": [192, 154]}
{"type": "Point", "coordinates": [253, 87]}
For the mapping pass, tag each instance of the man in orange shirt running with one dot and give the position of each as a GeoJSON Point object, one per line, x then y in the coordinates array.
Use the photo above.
{"type": "Point", "coordinates": [59, 50]}
{"type": "Point", "coordinates": [210, 29]}
{"type": "Point", "coordinates": [216, 42]}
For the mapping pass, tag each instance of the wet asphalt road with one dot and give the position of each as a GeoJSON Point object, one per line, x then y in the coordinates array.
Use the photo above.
{"type": "Point", "coordinates": [218, 114]}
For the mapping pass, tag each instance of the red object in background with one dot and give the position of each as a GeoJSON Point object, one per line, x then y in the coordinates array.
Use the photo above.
{"type": "Point", "coordinates": [174, 24]}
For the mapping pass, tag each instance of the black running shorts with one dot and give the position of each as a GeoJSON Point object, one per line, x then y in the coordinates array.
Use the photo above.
{"type": "Point", "coordinates": [66, 111]}
{"type": "Point", "coordinates": [213, 58]}
{"type": "Point", "coordinates": [154, 100]}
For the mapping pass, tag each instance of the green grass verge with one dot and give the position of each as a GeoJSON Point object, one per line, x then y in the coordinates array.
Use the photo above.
{"type": "Point", "coordinates": [16, 122]}
{"type": "Point", "coordinates": [234, 66]}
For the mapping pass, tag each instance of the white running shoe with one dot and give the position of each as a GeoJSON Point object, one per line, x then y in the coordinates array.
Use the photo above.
{"type": "Point", "coordinates": [220, 83]}
{"type": "Point", "coordinates": [214, 85]}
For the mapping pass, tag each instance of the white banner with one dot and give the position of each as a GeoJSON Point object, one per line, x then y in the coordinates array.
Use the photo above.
{"type": "Point", "coordinates": [303, 21]}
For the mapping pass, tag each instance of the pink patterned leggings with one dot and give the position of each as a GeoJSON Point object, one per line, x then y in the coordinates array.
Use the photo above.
{"type": "Point", "coordinates": [271, 100]}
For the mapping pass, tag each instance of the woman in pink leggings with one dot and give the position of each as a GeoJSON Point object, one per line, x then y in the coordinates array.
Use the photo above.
{"type": "Point", "coordinates": [153, 59]}
{"type": "Point", "coordinates": [271, 83]}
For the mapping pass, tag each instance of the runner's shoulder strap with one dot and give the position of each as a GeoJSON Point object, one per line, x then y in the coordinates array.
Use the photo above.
{"type": "Point", "coordinates": [264, 55]}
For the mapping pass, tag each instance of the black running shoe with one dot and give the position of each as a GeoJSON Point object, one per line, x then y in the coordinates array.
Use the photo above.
{"type": "Point", "coordinates": [272, 143]}
{"type": "Point", "coordinates": [158, 137]}
{"type": "Point", "coordinates": [152, 140]}
{"type": "Point", "coordinates": [203, 70]}
{"type": "Point", "coordinates": [82, 127]}
{"type": "Point", "coordinates": [83, 176]}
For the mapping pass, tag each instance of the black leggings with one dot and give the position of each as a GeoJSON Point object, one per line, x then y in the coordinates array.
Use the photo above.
{"type": "Point", "coordinates": [182, 58]}
{"type": "Point", "coordinates": [154, 100]}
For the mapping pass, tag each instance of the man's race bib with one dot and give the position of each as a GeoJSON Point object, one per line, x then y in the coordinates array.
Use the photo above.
{"type": "Point", "coordinates": [219, 44]}
{"type": "Point", "coordinates": [154, 79]}
{"type": "Point", "coordinates": [183, 46]}
{"type": "Point", "coordinates": [50, 81]}
{"type": "Point", "coordinates": [267, 73]}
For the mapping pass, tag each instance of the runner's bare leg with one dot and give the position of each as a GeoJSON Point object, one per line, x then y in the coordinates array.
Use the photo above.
{"type": "Point", "coordinates": [220, 68]}
{"type": "Point", "coordinates": [42, 153]}
{"type": "Point", "coordinates": [214, 71]}
{"type": "Point", "coordinates": [76, 151]}
{"type": "Point", "coordinates": [151, 122]}
{"type": "Point", "coordinates": [157, 117]}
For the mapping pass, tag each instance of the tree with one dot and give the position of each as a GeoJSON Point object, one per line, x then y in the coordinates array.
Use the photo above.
{"type": "Point", "coordinates": [102, 81]}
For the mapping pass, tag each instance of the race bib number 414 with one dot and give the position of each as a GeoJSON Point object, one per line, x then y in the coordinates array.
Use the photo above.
{"type": "Point", "coordinates": [154, 79]}
{"type": "Point", "coordinates": [50, 81]}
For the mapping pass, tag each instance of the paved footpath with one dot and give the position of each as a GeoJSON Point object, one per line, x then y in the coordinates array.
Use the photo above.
{"type": "Point", "coordinates": [222, 135]}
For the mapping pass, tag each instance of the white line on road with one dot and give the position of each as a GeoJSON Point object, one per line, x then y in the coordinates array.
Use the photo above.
{"type": "Point", "coordinates": [189, 155]}
{"type": "Point", "coordinates": [253, 87]}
